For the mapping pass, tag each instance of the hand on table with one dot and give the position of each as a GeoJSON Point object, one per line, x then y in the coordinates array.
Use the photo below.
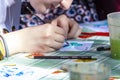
{"type": "Point", "coordinates": [44, 38]}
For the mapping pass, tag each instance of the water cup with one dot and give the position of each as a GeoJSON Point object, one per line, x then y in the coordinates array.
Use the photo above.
{"type": "Point", "coordinates": [88, 71]}
{"type": "Point", "coordinates": [114, 30]}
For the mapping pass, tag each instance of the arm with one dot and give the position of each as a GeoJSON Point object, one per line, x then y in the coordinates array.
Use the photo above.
{"type": "Point", "coordinates": [44, 38]}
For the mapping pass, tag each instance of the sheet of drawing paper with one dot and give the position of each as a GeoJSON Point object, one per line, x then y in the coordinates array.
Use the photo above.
{"type": "Point", "coordinates": [77, 46]}
{"type": "Point", "coordinates": [98, 26]}
{"type": "Point", "coordinates": [22, 73]}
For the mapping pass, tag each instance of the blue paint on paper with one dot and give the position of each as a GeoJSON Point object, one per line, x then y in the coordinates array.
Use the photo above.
{"type": "Point", "coordinates": [66, 44]}
{"type": "Point", "coordinates": [14, 71]}
{"type": "Point", "coordinates": [6, 75]}
{"type": "Point", "coordinates": [75, 44]}
{"type": "Point", "coordinates": [70, 44]}
{"type": "Point", "coordinates": [19, 74]}
{"type": "Point", "coordinates": [10, 71]}
{"type": "Point", "coordinates": [14, 68]}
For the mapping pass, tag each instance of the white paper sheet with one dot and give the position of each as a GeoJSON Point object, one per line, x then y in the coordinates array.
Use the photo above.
{"type": "Point", "coordinates": [77, 46]}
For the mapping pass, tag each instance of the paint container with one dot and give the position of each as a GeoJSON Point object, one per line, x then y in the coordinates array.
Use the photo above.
{"type": "Point", "coordinates": [88, 71]}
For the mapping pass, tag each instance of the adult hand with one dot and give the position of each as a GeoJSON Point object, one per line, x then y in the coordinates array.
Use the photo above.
{"type": "Point", "coordinates": [41, 6]}
{"type": "Point", "coordinates": [71, 28]}
{"type": "Point", "coordinates": [44, 38]}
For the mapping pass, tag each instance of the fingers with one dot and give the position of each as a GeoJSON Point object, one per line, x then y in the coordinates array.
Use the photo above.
{"type": "Point", "coordinates": [40, 8]}
{"type": "Point", "coordinates": [59, 38]}
{"type": "Point", "coordinates": [66, 4]}
{"type": "Point", "coordinates": [59, 30]}
{"type": "Point", "coordinates": [55, 45]}
{"type": "Point", "coordinates": [70, 27]}
{"type": "Point", "coordinates": [54, 37]}
{"type": "Point", "coordinates": [62, 22]}
{"type": "Point", "coordinates": [51, 43]}
{"type": "Point", "coordinates": [54, 32]}
{"type": "Point", "coordinates": [74, 30]}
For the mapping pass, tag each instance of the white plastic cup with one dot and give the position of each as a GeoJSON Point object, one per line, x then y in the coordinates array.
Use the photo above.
{"type": "Point", "coordinates": [88, 71]}
{"type": "Point", "coordinates": [114, 30]}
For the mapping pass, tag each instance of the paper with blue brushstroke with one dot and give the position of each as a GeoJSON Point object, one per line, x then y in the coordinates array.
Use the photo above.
{"type": "Point", "coordinates": [97, 26]}
{"type": "Point", "coordinates": [77, 46]}
{"type": "Point", "coordinates": [22, 73]}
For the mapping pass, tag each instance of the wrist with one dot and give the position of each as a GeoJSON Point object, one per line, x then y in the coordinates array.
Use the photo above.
{"type": "Point", "coordinates": [14, 41]}
{"type": "Point", "coordinates": [3, 48]}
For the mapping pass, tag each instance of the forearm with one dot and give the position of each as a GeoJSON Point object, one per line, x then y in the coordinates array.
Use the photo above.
{"type": "Point", "coordinates": [12, 42]}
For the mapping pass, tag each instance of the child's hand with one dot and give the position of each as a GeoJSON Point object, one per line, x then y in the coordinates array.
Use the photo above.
{"type": "Point", "coordinates": [72, 29]}
{"type": "Point", "coordinates": [41, 6]}
{"type": "Point", "coordinates": [44, 38]}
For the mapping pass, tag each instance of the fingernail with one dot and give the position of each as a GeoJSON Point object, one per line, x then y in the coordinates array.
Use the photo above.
{"type": "Point", "coordinates": [64, 4]}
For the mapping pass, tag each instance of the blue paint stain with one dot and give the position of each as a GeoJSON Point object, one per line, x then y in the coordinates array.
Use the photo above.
{"type": "Point", "coordinates": [75, 44]}
{"type": "Point", "coordinates": [6, 75]}
{"type": "Point", "coordinates": [1, 71]}
{"type": "Point", "coordinates": [14, 68]}
{"type": "Point", "coordinates": [19, 74]}
{"type": "Point", "coordinates": [66, 44]}
{"type": "Point", "coordinates": [10, 71]}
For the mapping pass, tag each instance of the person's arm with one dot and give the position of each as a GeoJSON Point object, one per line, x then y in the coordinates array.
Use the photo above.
{"type": "Point", "coordinates": [39, 39]}
{"type": "Point", "coordinates": [5, 6]}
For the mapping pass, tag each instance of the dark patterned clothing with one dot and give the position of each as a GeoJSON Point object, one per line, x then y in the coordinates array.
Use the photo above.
{"type": "Point", "coordinates": [81, 11]}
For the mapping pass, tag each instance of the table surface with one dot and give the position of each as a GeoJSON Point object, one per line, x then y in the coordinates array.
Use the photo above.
{"type": "Point", "coordinates": [49, 64]}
